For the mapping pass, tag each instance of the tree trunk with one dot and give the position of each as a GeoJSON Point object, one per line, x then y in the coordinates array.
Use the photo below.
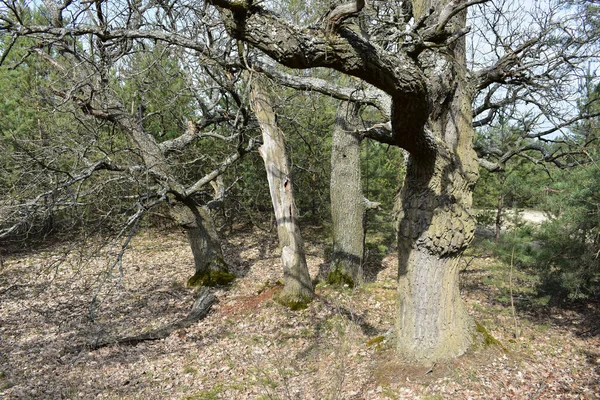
{"type": "Point", "coordinates": [499, 217]}
{"type": "Point", "coordinates": [298, 289]}
{"type": "Point", "coordinates": [347, 203]}
{"type": "Point", "coordinates": [434, 227]}
{"type": "Point", "coordinates": [431, 118]}
{"type": "Point", "coordinates": [434, 218]}
{"type": "Point", "coordinates": [210, 266]}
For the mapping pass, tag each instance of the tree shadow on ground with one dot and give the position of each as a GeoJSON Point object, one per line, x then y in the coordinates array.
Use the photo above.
{"type": "Point", "coordinates": [580, 317]}
{"type": "Point", "coordinates": [484, 275]}
{"type": "Point", "coordinates": [46, 319]}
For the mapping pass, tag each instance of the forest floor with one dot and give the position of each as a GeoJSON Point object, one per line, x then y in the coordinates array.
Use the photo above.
{"type": "Point", "coordinates": [56, 300]}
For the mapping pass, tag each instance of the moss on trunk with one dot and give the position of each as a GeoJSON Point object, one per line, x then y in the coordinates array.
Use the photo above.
{"type": "Point", "coordinates": [210, 277]}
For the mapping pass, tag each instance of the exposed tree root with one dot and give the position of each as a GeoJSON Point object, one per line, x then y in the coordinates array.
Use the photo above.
{"type": "Point", "coordinates": [200, 309]}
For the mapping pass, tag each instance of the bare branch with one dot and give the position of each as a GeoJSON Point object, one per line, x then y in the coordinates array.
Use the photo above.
{"type": "Point", "coordinates": [219, 170]}
{"type": "Point", "coordinates": [370, 96]}
{"type": "Point", "coordinates": [343, 11]}
{"type": "Point", "coordinates": [452, 9]}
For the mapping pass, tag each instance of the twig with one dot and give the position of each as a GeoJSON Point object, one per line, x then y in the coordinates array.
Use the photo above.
{"type": "Point", "coordinates": [430, 370]}
{"type": "Point", "coordinates": [512, 301]}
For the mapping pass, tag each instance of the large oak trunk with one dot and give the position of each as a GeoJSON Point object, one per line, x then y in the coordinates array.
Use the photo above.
{"type": "Point", "coordinates": [434, 219]}
{"type": "Point", "coordinates": [298, 289]}
{"type": "Point", "coordinates": [431, 118]}
{"type": "Point", "coordinates": [434, 227]}
{"type": "Point", "coordinates": [347, 201]}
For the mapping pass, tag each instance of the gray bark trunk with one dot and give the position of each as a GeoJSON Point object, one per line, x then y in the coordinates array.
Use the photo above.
{"type": "Point", "coordinates": [210, 266]}
{"type": "Point", "coordinates": [347, 202]}
{"type": "Point", "coordinates": [298, 289]}
{"type": "Point", "coordinates": [433, 216]}
{"type": "Point", "coordinates": [434, 227]}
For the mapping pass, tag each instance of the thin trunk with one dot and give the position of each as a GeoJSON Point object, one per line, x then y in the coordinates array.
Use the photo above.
{"type": "Point", "coordinates": [435, 223]}
{"type": "Point", "coordinates": [499, 216]}
{"type": "Point", "coordinates": [210, 266]}
{"type": "Point", "coordinates": [347, 203]}
{"type": "Point", "coordinates": [298, 289]}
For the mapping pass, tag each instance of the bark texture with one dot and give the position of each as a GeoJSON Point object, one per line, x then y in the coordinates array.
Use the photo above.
{"type": "Point", "coordinates": [434, 221]}
{"type": "Point", "coordinates": [210, 267]}
{"type": "Point", "coordinates": [347, 203]}
{"type": "Point", "coordinates": [431, 112]}
{"type": "Point", "coordinates": [298, 289]}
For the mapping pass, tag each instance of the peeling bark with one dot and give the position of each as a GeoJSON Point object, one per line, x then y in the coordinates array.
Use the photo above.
{"type": "Point", "coordinates": [298, 289]}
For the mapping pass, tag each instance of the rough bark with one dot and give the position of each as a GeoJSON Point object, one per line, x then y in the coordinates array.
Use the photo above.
{"type": "Point", "coordinates": [347, 203]}
{"type": "Point", "coordinates": [434, 217]}
{"type": "Point", "coordinates": [210, 266]}
{"type": "Point", "coordinates": [431, 116]}
{"type": "Point", "coordinates": [298, 289]}
{"type": "Point", "coordinates": [434, 227]}
{"type": "Point", "coordinates": [343, 50]}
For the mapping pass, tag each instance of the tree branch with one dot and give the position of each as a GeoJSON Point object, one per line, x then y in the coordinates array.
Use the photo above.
{"type": "Point", "coordinates": [343, 11]}
{"type": "Point", "coordinates": [369, 96]}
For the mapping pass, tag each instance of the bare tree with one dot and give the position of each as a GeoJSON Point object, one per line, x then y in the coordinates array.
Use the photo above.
{"type": "Point", "coordinates": [414, 56]}
{"type": "Point", "coordinates": [298, 290]}
{"type": "Point", "coordinates": [422, 65]}
{"type": "Point", "coordinates": [90, 74]}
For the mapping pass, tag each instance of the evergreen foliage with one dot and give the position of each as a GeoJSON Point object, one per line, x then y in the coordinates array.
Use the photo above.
{"type": "Point", "coordinates": [565, 250]}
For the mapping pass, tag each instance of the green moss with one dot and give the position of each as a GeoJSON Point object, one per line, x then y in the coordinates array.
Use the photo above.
{"type": "Point", "coordinates": [4, 382]}
{"type": "Point", "coordinates": [188, 369]}
{"type": "Point", "coordinates": [210, 394]}
{"type": "Point", "coordinates": [377, 340]}
{"type": "Point", "coordinates": [488, 340]}
{"type": "Point", "coordinates": [210, 278]}
{"type": "Point", "coordinates": [294, 303]}
{"type": "Point", "coordinates": [339, 278]}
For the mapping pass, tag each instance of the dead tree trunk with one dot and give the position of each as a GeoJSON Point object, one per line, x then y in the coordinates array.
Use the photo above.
{"type": "Point", "coordinates": [298, 289]}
